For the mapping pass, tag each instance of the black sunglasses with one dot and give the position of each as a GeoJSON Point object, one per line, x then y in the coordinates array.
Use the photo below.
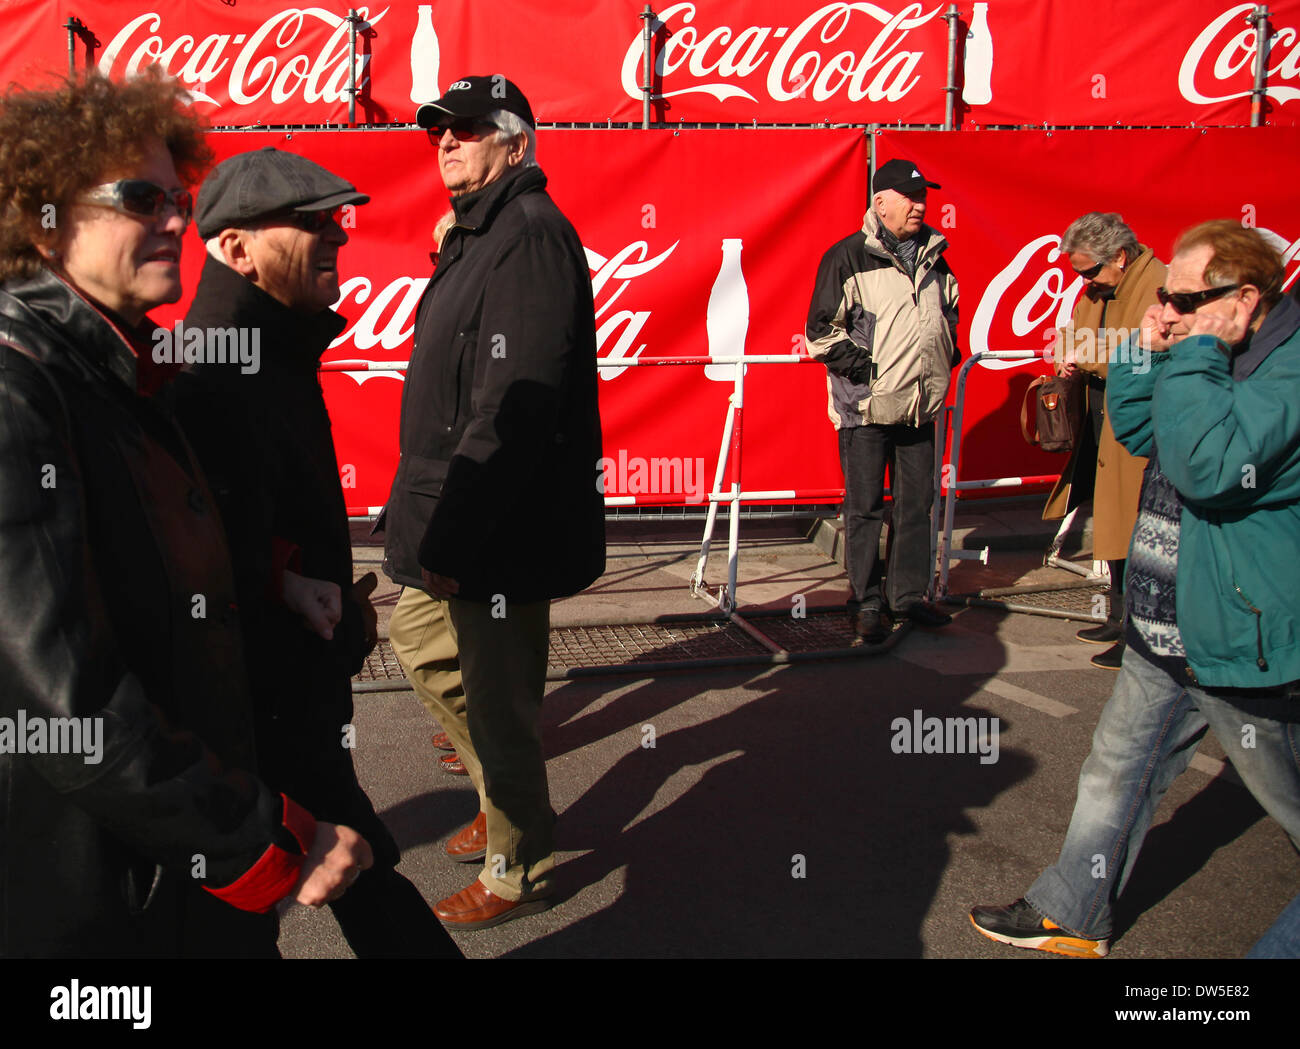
{"type": "Point", "coordinates": [307, 221]}
{"type": "Point", "coordinates": [1188, 301]}
{"type": "Point", "coordinates": [1091, 272]}
{"type": "Point", "coordinates": [136, 196]}
{"type": "Point", "coordinates": [463, 128]}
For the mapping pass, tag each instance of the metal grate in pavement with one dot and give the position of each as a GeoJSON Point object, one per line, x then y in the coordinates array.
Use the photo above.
{"type": "Point", "coordinates": [381, 665]}
{"type": "Point", "coordinates": [648, 643]}
{"type": "Point", "coordinates": [816, 632]}
{"type": "Point", "coordinates": [1074, 602]}
{"type": "Point", "coordinates": [699, 640]}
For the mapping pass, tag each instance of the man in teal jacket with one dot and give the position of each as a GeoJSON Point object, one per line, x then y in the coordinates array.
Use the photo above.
{"type": "Point", "coordinates": [1213, 633]}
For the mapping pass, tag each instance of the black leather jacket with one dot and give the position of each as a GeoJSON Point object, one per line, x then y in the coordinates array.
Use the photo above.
{"type": "Point", "coordinates": [117, 608]}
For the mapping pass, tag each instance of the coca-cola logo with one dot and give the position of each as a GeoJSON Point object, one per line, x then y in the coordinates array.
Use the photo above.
{"type": "Point", "coordinates": [387, 318]}
{"type": "Point", "coordinates": [250, 64]}
{"type": "Point", "coordinates": [880, 69]}
{"type": "Point", "coordinates": [1038, 303]}
{"type": "Point", "coordinates": [1223, 50]}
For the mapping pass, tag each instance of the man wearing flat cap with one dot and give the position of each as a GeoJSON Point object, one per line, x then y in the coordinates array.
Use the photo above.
{"type": "Point", "coordinates": [883, 320]}
{"type": "Point", "coordinates": [270, 220]}
{"type": "Point", "coordinates": [495, 510]}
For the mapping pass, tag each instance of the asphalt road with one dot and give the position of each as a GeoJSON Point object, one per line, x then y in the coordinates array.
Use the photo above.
{"type": "Point", "coordinates": [772, 818]}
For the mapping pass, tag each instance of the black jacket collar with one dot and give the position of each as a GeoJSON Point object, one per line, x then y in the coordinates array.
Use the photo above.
{"type": "Point", "coordinates": [476, 209]}
{"type": "Point", "coordinates": [73, 324]}
{"type": "Point", "coordinates": [225, 298]}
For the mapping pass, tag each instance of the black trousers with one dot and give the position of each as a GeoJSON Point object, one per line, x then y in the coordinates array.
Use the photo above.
{"type": "Point", "coordinates": [909, 453]}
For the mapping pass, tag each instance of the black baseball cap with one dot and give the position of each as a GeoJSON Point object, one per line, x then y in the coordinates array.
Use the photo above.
{"type": "Point", "coordinates": [266, 182]}
{"type": "Point", "coordinates": [476, 96]}
{"type": "Point", "coordinates": [900, 175]}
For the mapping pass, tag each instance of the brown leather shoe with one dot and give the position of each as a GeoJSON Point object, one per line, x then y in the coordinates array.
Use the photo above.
{"type": "Point", "coordinates": [441, 741]}
{"type": "Point", "coordinates": [477, 907]}
{"type": "Point", "coordinates": [452, 763]}
{"type": "Point", "coordinates": [469, 844]}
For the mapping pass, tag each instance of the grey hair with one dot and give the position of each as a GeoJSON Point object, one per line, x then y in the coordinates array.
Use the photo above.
{"type": "Point", "coordinates": [509, 127]}
{"type": "Point", "coordinates": [1101, 236]}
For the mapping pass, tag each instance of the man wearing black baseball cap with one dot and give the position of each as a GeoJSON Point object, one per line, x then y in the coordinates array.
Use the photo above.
{"type": "Point", "coordinates": [494, 510]}
{"type": "Point", "coordinates": [271, 220]}
{"type": "Point", "coordinates": [883, 320]}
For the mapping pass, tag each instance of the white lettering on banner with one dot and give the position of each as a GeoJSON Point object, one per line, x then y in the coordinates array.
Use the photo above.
{"type": "Point", "coordinates": [1235, 53]}
{"type": "Point", "coordinates": [620, 267]}
{"type": "Point", "coordinates": [395, 304]}
{"type": "Point", "coordinates": [792, 72]}
{"type": "Point", "coordinates": [322, 77]}
{"type": "Point", "coordinates": [1029, 314]}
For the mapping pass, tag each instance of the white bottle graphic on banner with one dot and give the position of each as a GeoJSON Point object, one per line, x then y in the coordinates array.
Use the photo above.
{"type": "Point", "coordinates": [977, 88]}
{"type": "Point", "coordinates": [727, 316]}
{"type": "Point", "coordinates": [424, 58]}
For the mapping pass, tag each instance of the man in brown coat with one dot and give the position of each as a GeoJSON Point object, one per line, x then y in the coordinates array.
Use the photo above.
{"type": "Point", "coordinates": [1122, 276]}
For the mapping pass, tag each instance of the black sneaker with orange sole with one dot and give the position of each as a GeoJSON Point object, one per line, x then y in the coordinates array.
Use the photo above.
{"type": "Point", "coordinates": [1021, 926]}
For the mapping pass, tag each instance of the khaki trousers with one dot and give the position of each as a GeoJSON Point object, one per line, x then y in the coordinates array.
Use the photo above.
{"type": "Point", "coordinates": [483, 675]}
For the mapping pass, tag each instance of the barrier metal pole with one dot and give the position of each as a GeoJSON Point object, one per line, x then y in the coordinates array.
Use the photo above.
{"type": "Point", "coordinates": [352, 68]}
{"type": "Point", "coordinates": [950, 506]}
{"type": "Point", "coordinates": [733, 541]}
{"type": "Point", "coordinates": [77, 28]}
{"type": "Point", "coordinates": [1259, 19]}
{"type": "Point", "coordinates": [940, 440]}
{"type": "Point", "coordinates": [647, 63]}
{"type": "Point", "coordinates": [950, 97]}
{"type": "Point", "coordinates": [697, 580]}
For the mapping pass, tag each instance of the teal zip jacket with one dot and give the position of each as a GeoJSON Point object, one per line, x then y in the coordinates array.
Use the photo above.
{"type": "Point", "coordinates": [1226, 430]}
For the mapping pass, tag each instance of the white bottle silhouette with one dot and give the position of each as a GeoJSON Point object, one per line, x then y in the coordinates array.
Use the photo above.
{"type": "Point", "coordinates": [424, 58]}
{"type": "Point", "coordinates": [727, 317]}
{"type": "Point", "coordinates": [977, 87]}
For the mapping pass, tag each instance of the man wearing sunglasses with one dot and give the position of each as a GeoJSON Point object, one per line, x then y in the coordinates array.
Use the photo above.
{"type": "Point", "coordinates": [495, 510]}
{"type": "Point", "coordinates": [1213, 578]}
{"type": "Point", "coordinates": [270, 220]}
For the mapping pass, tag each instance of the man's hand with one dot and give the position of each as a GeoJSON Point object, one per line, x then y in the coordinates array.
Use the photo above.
{"type": "Point", "coordinates": [1230, 329]}
{"type": "Point", "coordinates": [439, 586]}
{"type": "Point", "coordinates": [320, 603]}
{"type": "Point", "coordinates": [337, 857]}
{"type": "Point", "coordinates": [1154, 332]}
{"type": "Point", "coordinates": [361, 591]}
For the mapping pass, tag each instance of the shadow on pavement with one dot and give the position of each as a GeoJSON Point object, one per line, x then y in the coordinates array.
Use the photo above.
{"type": "Point", "coordinates": [786, 826]}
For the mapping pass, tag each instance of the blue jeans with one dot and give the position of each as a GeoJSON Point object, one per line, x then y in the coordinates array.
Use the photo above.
{"type": "Point", "coordinates": [1147, 734]}
{"type": "Point", "coordinates": [1282, 940]}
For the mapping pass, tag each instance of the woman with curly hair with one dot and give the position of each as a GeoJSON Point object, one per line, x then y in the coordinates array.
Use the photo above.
{"type": "Point", "coordinates": [130, 821]}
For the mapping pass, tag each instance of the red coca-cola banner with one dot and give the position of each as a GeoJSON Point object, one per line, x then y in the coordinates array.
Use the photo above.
{"type": "Point", "coordinates": [679, 269]}
{"type": "Point", "coordinates": [1008, 195]}
{"type": "Point", "coordinates": [1126, 62]}
{"type": "Point", "coordinates": [1104, 62]}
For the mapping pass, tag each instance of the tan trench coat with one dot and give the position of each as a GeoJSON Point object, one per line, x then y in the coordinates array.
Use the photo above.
{"type": "Point", "coordinates": [1119, 475]}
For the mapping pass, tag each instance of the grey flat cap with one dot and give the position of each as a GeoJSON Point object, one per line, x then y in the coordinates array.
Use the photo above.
{"type": "Point", "coordinates": [265, 182]}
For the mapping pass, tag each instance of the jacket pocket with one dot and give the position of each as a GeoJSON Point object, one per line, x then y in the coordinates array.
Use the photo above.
{"type": "Point", "coordinates": [891, 407]}
{"type": "Point", "coordinates": [424, 475]}
{"type": "Point", "coordinates": [862, 327]}
{"type": "Point", "coordinates": [460, 379]}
